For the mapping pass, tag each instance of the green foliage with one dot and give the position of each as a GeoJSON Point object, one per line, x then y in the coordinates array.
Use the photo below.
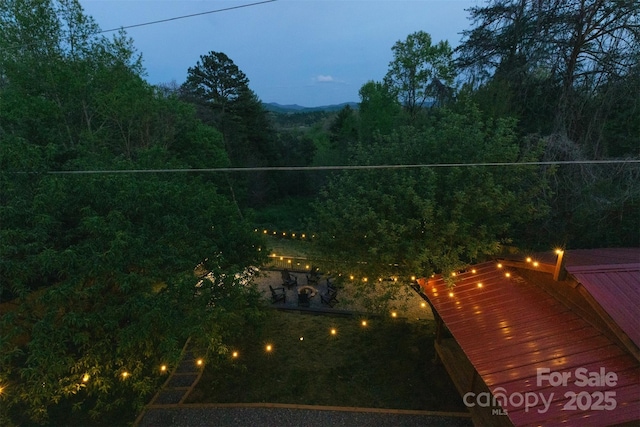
{"type": "Point", "coordinates": [557, 57]}
{"type": "Point", "coordinates": [343, 132]}
{"type": "Point", "coordinates": [98, 268]}
{"type": "Point", "coordinates": [568, 72]}
{"type": "Point", "coordinates": [404, 222]}
{"type": "Point", "coordinates": [421, 73]}
{"type": "Point", "coordinates": [220, 91]}
{"type": "Point", "coordinates": [379, 110]}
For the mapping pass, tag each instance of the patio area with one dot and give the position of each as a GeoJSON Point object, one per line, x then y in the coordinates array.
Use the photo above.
{"type": "Point", "coordinates": [408, 305]}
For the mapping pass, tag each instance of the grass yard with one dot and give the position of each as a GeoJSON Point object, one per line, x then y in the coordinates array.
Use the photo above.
{"type": "Point", "coordinates": [385, 364]}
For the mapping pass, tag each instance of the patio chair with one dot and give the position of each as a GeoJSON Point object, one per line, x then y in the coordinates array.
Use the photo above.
{"type": "Point", "coordinates": [288, 279]}
{"type": "Point", "coordinates": [330, 298]}
{"type": "Point", "coordinates": [278, 295]}
{"type": "Point", "coordinates": [313, 278]}
{"type": "Point", "coordinates": [303, 299]}
{"type": "Point", "coordinates": [330, 285]}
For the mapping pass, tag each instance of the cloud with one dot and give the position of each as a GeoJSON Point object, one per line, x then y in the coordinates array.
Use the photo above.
{"type": "Point", "coordinates": [325, 79]}
{"type": "Point", "coordinates": [321, 78]}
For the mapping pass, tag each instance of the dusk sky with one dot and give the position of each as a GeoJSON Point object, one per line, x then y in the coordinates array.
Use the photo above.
{"type": "Point", "coordinates": [306, 52]}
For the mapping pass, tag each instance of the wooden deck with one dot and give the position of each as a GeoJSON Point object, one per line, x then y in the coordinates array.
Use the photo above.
{"type": "Point", "coordinates": [466, 379]}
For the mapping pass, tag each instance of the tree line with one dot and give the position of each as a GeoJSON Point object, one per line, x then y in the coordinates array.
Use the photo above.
{"type": "Point", "coordinates": [98, 271]}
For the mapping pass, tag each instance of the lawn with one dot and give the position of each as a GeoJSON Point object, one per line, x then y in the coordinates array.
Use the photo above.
{"type": "Point", "coordinates": [385, 364]}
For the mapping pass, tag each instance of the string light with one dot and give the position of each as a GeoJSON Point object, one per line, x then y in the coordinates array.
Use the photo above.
{"type": "Point", "coordinates": [85, 378]}
{"type": "Point", "coordinates": [394, 314]}
{"type": "Point", "coordinates": [268, 348]}
{"type": "Point", "coordinates": [234, 354]}
{"type": "Point", "coordinates": [450, 294]}
{"type": "Point", "coordinates": [199, 362]}
{"type": "Point", "coordinates": [124, 374]}
{"type": "Point", "coordinates": [473, 271]}
{"type": "Point", "coordinates": [363, 323]}
{"type": "Point", "coordinates": [333, 331]}
{"type": "Point", "coordinates": [535, 263]}
{"type": "Point", "coordinates": [163, 368]}
{"type": "Point", "coordinates": [499, 265]}
{"type": "Point", "coordinates": [528, 259]}
{"type": "Point", "coordinates": [479, 285]}
{"type": "Point", "coordinates": [507, 274]}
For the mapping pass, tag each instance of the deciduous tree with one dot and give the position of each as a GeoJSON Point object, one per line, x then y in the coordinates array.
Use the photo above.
{"type": "Point", "coordinates": [421, 73]}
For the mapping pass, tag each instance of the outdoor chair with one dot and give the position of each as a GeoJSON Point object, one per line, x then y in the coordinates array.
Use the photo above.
{"type": "Point", "coordinates": [330, 285]}
{"type": "Point", "coordinates": [288, 279]}
{"type": "Point", "coordinates": [303, 299]}
{"type": "Point", "coordinates": [278, 295]}
{"type": "Point", "coordinates": [330, 298]}
{"type": "Point", "coordinates": [313, 278]}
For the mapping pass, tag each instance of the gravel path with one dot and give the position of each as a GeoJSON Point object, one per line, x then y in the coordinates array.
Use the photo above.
{"type": "Point", "coordinates": [288, 417]}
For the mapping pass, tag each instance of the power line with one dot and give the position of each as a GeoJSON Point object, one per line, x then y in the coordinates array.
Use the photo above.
{"type": "Point", "coordinates": [186, 16]}
{"type": "Point", "coordinates": [175, 18]}
{"type": "Point", "coordinates": [343, 167]}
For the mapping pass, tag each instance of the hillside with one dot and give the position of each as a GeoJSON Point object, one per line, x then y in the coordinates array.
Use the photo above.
{"type": "Point", "coordinates": [295, 108]}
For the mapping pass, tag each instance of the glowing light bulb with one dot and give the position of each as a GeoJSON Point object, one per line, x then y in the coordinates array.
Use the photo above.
{"type": "Point", "coordinates": [364, 323]}
{"type": "Point", "coordinates": [268, 347]}
{"type": "Point", "coordinates": [451, 294]}
{"type": "Point", "coordinates": [333, 331]}
{"type": "Point", "coordinates": [535, 263]}
{"type": "Point", "coordinates": [507, 274]}
{"type": "Point", "coordinates": [125, 374]}
{"type": "Point", "coordinates": [499, 265]}
{"type": "Point", "coordinates": [473, 271]}
{"type": "Point", "coordinates": [163, 368]}
{"type": "Point", "coordinates": [413, 278]}
{"type": "Point", "coordinates": [199, 362]}
{"type": "Point", "coordinates": [85, 378]}
{"type": "Point", "coordinates": [528, 259]}
{"type": "Point", "coordinates": [394, 314]}
{"type": "Point", "coordinates": [423, 304]}
{"type": "Point", "coordinates": [479, 285]}
{"type": "Point", "coordinates": [234, 354]}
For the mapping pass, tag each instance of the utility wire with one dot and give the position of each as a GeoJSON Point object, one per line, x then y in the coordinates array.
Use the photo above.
{"type": "Point", "coordinates": [185, 16]}
{"type": "Point", "coordinates": [344, 167]}
{"type": "Point", "coordinates": [175, 18]}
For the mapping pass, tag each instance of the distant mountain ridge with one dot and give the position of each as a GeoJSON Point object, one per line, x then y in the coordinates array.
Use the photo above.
{"type": "Point", "coordinates": [295, 108]}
